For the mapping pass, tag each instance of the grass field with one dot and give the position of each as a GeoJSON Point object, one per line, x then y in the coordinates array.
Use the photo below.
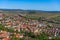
{"type": "Point", "coordinates": [48, 15]}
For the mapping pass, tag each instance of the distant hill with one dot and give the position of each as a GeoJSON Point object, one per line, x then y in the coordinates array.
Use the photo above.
{"type": "Point", "coordinates": [32, 13]}
{"type": "Point", "coordinates": [29, 10]}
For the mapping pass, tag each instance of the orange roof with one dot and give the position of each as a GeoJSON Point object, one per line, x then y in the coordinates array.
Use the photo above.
{"type": "Point", "coordinates": [3, 31]}
{"type": "Point", "coordinates": [9, 23]}
{"type": "Point", "coordinates": [5, 39]}
{"type": "Point", "coordinates": [14, 32]}
{"type": "Point", "coordinates": [17, 35]}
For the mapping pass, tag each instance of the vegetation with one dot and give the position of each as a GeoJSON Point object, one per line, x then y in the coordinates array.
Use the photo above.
{"type": "Point", "coordinates": [57, 18]}
{"type": "Point", "coordinates": [32, 12]}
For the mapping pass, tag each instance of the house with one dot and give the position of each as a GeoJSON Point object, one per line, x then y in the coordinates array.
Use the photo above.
{"type": "Point", "coordinates": [5, 38]}
{"type": "Point", "coordinates": [56, 25]}
{"type": "Point", "coordinates": [19, 35]}
{"type": "Point", "coordinates": [42, 25]}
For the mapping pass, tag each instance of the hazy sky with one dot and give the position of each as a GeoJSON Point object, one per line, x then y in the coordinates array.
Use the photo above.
{"type": "Point", "coordinates": [47, 5]}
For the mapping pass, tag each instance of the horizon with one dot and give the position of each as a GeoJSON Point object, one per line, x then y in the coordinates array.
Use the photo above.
{"type": "Point", "coordinates": [44, 5]}
{"type": "Point", "coordinates": [29, 9]}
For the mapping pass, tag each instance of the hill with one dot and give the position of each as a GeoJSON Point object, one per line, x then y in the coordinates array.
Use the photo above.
{"type": "Point", "coordinates": [32, 13]}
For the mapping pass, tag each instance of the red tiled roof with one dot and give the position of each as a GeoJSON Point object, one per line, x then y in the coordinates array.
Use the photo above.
{"type": "Point", "coordinates": [5, 39]}
{"type": "Point", "coordinates": [17, 35]}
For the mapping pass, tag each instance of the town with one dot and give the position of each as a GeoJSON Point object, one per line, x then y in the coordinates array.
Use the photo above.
{"type": "Point", "coordinates": [18, 27]}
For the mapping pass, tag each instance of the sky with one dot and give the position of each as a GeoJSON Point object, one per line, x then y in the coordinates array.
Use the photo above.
{"type": "Point", "coordinates": [46, 5]}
